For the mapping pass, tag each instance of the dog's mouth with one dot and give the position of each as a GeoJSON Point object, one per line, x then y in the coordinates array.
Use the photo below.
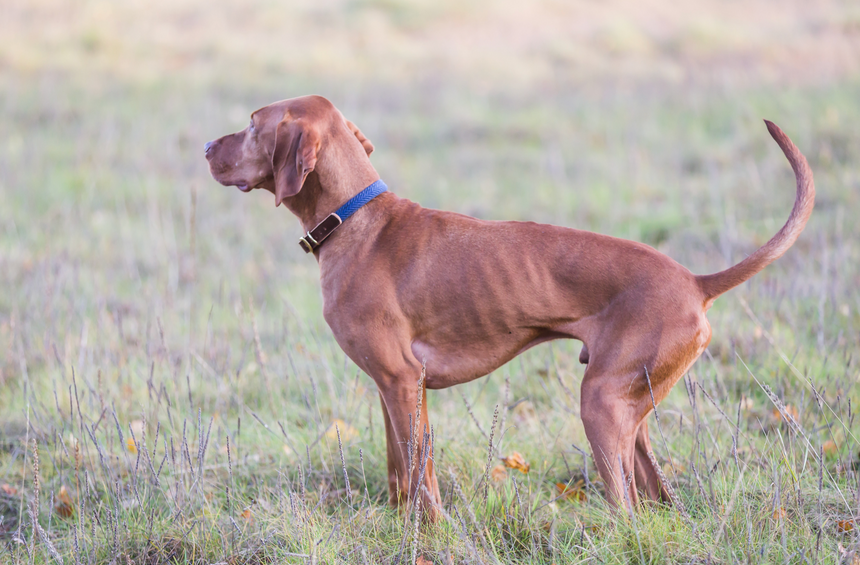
{"type": "Point", "coordinates": [243, 184]}
{"type": "Point", "coordinates": [222, 174]}
{"type": "Point", "coordinates": [244, 187]}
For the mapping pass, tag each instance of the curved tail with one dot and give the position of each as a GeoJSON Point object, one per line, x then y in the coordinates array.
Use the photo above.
{"type": "Point", "coordinates": [716, 284]}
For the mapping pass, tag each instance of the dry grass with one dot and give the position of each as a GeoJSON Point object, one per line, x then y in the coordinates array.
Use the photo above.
{"type": "Point", "coordinates": [162, 350]}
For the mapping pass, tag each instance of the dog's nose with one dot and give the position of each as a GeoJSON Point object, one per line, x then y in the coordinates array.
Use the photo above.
{"type": "Point", "coordinates": [207, 147]}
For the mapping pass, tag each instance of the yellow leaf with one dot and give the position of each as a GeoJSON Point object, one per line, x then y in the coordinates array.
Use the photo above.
{"type": "Point", "coordinates": [347, 432]}
{"type": "Point", "coordinates": [669, 470]}
{"type": "Point", "coordinates": [789, 411]}
{"type": "Point", "coordinates": [843, 526]}
{"type": "Point", "coordinates": [246, 515]}
{"type": "Point", "coordinates": [779, 513]}
{"type": "Point", "coordinates": [65, 506]}
{"type": "Point", "coordinates": [137, 427]}
{"type": "Point", "coordinates": [516, 461]}
{"type": "Point", "coordinates": [130, 445]}
{"type": "Point", "coordinates": [499, 473]}
{"type": "Point", "coordinates": [64, 496]}
{"type": "Point", "coordinates": [524, 411]}
{"type": "Point", "coordinates": [574, 492]}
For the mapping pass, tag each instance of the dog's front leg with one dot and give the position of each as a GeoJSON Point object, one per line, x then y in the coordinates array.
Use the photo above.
{"type": "Point", "coordinates": [391, 444]}
{"type": "Point", "coordinates": [411, 471]}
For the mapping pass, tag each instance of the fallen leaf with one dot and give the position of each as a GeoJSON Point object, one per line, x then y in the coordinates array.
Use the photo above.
{"type": "Point", "coordinates": [789, 411]}
{"type": "Point", "coordinates": [524, 411]}
{"type": "Point", "coordinates": [778, 513]}
{"type": "Point", "coordinates": [287, 450]}
{"type": "Point", "coordinates": [347, 432]}
{"type": "Point", "coordinates": [547, 524]}
{"type": "Point", "coordinates": [670, 470]}
{"type": "Point", "coordinates": [516, 461]}
{"type": "Point", "coordinates": [6, 488]}
{"type": "Point", "coordinates": [130, 445]}
{"type": "Point", "coordinates": [246, 515]}
{"type": "Point", "coordinates": [137, 427]}
{"type": "Point", "coordinates": [573, 492]}
{"type": "Point", "coordinates": [499, 473]}
{"type": "Point", "coordinates": [843, 526]}
{"type": "Point", "coordinates": [829, 447]}
{"type": "Point", "coordinates": [65, 506]}
{"type": "Point", "coordinates": [849, 557]}
{"type": "Point", "coordinates": [421, 560]}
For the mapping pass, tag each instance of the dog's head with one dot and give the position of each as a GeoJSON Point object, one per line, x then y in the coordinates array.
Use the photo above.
{"type": "Point", "coordinates": [282, 145]}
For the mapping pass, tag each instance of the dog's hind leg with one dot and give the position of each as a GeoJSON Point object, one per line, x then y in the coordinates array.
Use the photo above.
{"type": "Point", "coordinates": [623, 384]}
{"type": "Point", "coordinates": [610, 425]}
{"type": "Point", "coordinates": [647, 479]}
{"type": "Point", "coordinates": [617, 398]}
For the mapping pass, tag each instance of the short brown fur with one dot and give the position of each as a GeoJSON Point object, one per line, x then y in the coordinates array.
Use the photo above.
{"type": "Point", "coordinates": [406, 287]}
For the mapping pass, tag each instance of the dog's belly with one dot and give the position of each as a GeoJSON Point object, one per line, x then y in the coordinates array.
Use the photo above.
{"type": "Point", "coordinates": [457, 363]}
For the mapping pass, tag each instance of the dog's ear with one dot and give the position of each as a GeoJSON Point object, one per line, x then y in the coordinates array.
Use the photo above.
{"type": "Point", "coordinates": [294, 157]}
{"type": "Point", "coordinates": [368, 146]}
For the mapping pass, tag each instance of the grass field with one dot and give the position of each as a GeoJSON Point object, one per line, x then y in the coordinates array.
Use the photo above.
{"type": "Point", "coordinates": [169, 391]}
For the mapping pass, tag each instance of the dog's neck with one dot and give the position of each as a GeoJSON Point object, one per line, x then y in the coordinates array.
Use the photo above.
{"type": "Point", "coordinates": [326, 188]}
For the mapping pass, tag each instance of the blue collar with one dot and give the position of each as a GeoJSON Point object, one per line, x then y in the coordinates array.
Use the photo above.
{"type": "Point", "coordinates": [314, 238]}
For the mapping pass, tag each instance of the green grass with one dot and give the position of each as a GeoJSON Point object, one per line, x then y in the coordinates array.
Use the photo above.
{"type": "Point", "coordinates": [142, 300]}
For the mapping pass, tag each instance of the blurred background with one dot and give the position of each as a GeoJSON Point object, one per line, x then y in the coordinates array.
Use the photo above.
{"type": "Point", "coordinates": [121, 259]}
{"type": "Point", "coordinates": [640, 119]}
{"type": "Point", "coordinates": [637, 119]}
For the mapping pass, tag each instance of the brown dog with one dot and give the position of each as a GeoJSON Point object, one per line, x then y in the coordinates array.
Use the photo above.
{"type": "Point", "coordinates": [406, 287]}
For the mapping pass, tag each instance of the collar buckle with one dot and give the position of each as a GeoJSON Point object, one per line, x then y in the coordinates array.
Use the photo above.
{"type": "Point", "coordinates": [307, 244]}
{"type": "Point", "coordinates": [314, 238]}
